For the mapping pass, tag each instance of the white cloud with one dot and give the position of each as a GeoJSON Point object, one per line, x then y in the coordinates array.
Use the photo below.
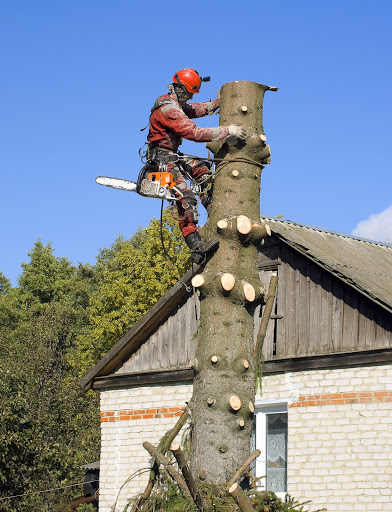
{"type": "Point", "coordinates": [377, 227]}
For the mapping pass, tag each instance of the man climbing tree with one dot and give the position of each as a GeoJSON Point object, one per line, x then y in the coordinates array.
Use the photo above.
{"type": "Point", "coordinates": [222, 406]}
{"type": "Point", "coordinates": [170, 121]}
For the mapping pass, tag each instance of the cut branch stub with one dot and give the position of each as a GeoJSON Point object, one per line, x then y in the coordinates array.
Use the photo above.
{"type": "Point", "coordinates": [260, 231]}
{"type": "Point", "coordinates": [241, 498]}
{"type": "Point", "coordinates": [265, 153]}
{"type": "Point", "coordinates": [155, 467]}
{"type": "Point", "coordinates": [186, 472]}
{"type": "Point", "coordinates": [245, 364]}
{"type": "Point", "coordinates": [198, 281]}
{"type": "Point", "coordinates": [241, 423]}
{"type": "Point", "coordinates": [227, 281]}
{"type": "Point", "coordinates": [222, 225]}
{"type": "Point", "coordinates": [202, 474]}
{"type": "Point", "coordinates": [235, 403]}
{"type": "Point", "coordinates": [251, 407]}
{"type": "Point", "coordinates": [250, 231]}
{"type": "Point", "coordinates": [249, 292]}
{"type": "Point", "coordinates": [244, 224]}
{"type": "Point", "coordinates": [243, 467]}
{"type": "Point", "coordinates": [214, 359]}
{"type": "Point", "coordinates": [169, 468]}
{"type": "Point", "coordinates": [235, 173]}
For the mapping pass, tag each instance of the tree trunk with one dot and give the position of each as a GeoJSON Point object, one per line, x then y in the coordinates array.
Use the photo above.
{"type": "Point", "coordinates": [222, 405]}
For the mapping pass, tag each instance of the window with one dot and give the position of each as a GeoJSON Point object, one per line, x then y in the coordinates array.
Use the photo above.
{"type": "Point", "coordinates": [271, 439]}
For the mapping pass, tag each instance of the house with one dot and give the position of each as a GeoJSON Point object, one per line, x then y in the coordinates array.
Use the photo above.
{"type": "Point", "coordinates": [323, 420]}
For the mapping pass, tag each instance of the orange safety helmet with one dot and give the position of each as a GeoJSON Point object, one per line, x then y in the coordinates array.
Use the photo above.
{"type": "Point", "coordinates": [189, 78]}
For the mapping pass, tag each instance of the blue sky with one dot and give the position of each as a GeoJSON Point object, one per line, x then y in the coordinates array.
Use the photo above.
{"type": "Point", "coordinates": [80, 76]}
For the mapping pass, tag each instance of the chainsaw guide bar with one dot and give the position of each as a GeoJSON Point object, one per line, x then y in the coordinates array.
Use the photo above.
{"type": "Point", "coordinates": [129, 186]}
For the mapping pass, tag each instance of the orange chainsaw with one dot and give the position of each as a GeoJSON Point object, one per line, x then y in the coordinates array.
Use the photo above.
{"type": "Point", "coordinates": [151, 182]}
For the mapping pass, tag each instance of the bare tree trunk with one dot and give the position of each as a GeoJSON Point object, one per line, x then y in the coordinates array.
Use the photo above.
{"type": "Point", "coordinates": [224, 387]}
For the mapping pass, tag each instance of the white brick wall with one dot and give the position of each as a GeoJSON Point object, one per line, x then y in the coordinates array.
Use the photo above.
{"type": "Point", "coordinates": [340, 436]}
{"type": "Point", "coordinates": [122, 453]}
{"type": "Point", "coordinates": [339, 454]}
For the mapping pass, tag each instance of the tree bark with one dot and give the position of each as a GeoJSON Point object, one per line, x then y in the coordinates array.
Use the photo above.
{"type": "Point", "coordinates": [229, 294]}
{"type": "Point", "coordinates": [241, 498]}
{"type": "Point", "coordinates": [172, 472]}
{"type": "Point", "coordinates": [183, 465]}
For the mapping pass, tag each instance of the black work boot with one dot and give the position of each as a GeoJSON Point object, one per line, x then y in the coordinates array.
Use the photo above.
{"type": "Point", "coordinates": [199, 248]}
{"type": "Point", "coordinates": [206, 186]}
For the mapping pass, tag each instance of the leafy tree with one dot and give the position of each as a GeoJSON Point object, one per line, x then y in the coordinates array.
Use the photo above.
{"type": "Point", "coordinates": [132, 275]}
{"type": "Point", "coordinates": [55, 325]}
{"type": "Point", "coordinates": [48, 426]}
{"type": "Point", "coordinates": [5, 284]}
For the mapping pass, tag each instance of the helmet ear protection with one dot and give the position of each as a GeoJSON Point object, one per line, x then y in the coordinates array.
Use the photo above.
{"type": "Point", "coordinates": [190, 79]}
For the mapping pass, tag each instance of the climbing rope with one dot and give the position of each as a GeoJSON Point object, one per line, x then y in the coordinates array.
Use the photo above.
{"type": "Point", "coordinates": [188, 288]}
{"type": "Point", "coordinates": [242, 159]}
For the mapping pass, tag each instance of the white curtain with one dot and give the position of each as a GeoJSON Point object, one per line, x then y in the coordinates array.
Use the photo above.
{"type": "Point", "coordinates": [276, 443]}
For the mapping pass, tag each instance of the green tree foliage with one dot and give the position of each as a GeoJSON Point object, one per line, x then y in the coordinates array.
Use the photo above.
{"type": "Point", "coordinates": [5, 284]}
{"type": "Point", "coordinates": [54, 326]}
{"type": "Point", "coordinates": [168, 498]}
{"type": "Point", "coordinates": [132, 275]}
{"type": "Point", "coordinates": [48, 426]}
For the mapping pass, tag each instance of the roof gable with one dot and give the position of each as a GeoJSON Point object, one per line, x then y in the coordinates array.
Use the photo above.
{"type": "Point", "coordinates": [363, 264]}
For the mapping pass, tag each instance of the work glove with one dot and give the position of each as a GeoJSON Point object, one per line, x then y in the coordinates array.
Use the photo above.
{"type": "Point", "coordinates": [237, 131]}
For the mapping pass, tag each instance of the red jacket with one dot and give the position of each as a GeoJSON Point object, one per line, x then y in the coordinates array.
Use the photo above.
{"type": "Point", "coordinates": [170, 122]}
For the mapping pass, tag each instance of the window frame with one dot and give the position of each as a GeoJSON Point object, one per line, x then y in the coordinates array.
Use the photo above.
{"type": "Point", "coordinates": [262, 409]}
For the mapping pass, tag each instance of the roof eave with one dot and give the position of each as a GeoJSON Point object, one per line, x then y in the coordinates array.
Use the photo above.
{"type": "Point", "coordinates": [141, 330]}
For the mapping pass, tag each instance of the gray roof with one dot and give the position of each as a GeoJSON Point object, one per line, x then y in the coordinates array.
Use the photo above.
{"type": "Point", "coordinates": [365, 265]}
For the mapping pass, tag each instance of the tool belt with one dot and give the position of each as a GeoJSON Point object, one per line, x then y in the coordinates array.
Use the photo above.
{"type": "Point", "coordinates": [161, 155]}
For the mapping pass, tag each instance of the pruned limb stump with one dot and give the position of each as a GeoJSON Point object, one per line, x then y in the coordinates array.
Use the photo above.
{"type": "Point", "coordinates": [249, 292]}
{"type": "Point", "coordinates": [202, 474]}
{"type": "Point", "coordinates": [222, 225]}
{"type": "Point", "coordinates": [169, 468]}
{"type": "Point", "coordinates": [270, 299]}
{"type": "Point", "coordinates": [227, 281]}
{"type": "Point", "coordinates": [155, 467]}
{"type": "Point", "coordinates": [235, 403]}
{"type": "Point", "coordinates": [183, 465]}
{"type": "Point", "coordinates": [241, 499]}
{"type": "Point", "coordinates": [198, 281]}
{"type": "Point", "coordinates": [244, 224]}
{"type": "Point", "coordinates": [250, 231]}
{"type": "Point", "coordinates": [243, 467]}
